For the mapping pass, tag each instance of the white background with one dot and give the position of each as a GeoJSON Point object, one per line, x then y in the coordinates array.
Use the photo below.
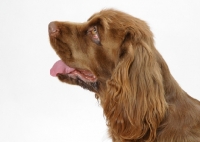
{"type": "Point", "coordinates": [35, 107]}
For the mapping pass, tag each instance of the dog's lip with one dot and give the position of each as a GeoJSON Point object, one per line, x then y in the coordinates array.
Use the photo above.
{"type": "Point", "coordinates": [61, 68]}
{"type": "Point", "coordinates": [84, 75]}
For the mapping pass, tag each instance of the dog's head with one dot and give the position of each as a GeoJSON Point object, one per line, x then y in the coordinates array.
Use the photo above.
{"type": "Point", "coordinates": [91, 51]}
{"type": "Point", "coordinates": [113, 54]}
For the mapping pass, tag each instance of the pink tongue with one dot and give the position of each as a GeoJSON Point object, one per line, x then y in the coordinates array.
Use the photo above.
{"type": "Point", "coordinates": [60, 67]}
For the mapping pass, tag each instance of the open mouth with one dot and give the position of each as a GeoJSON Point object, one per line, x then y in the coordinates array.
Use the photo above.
{"type": "Point", "coordinates": [61, 68]}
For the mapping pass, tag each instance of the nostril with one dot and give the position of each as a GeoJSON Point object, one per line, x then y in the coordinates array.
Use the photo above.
{"type": "Point", "coordinates": [53, 29]}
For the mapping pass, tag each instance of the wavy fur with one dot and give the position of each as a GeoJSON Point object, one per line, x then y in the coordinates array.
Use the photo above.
{"type": "Point", "coordinates": [141, 100]}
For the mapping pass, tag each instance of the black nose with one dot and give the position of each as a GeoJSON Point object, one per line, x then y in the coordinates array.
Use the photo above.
{"type": "Point", "coordinates": [53, 29]}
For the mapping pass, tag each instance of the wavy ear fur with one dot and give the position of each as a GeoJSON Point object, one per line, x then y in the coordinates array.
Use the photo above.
{"type": "Point", "coordinates": [135, 103]}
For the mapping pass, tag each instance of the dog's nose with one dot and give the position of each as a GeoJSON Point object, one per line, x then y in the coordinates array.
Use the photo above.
{"type": "Point", "coordinates": [53, 29]}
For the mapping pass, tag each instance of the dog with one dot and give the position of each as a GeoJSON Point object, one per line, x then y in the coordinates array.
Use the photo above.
{"type": "Point", "coordinates": [113, 55]}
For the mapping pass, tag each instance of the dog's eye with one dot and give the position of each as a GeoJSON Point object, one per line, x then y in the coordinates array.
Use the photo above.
{"type": "Point", "coordinates": [93, 33]}
{"type": "Point", "coordinates": [92, 30]}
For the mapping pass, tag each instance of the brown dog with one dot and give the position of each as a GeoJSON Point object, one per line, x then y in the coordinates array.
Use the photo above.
{"type": "Point", "coordinates": [113, 55]}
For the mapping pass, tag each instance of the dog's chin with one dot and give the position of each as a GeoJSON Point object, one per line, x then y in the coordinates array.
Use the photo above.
{"type": "Point", "coordinates": [91, 86]}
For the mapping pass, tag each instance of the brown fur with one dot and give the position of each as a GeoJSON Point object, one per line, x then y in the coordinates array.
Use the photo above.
{"type": "Point", "coordinates": [140, 98]}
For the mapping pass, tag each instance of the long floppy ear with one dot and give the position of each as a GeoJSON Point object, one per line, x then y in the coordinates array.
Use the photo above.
{"type": "Point", "coordinates": [135, 103]}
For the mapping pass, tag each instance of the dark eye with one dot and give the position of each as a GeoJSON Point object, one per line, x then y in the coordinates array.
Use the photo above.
{"type": "Point", "coordinates": [93, 33]}
{"type": "Point", "coordinates": [92, 30]}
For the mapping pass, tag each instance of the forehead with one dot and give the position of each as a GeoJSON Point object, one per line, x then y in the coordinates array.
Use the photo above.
{"type": "Point", "coordinates": [95, 19]}
{"type": "Point", "coordinates": [100, 19]}
{"type": "Point", "coordinates": [111, 19]}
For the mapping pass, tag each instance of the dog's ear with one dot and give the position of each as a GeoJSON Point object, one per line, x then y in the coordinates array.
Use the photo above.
{"type": "Point", "coordinates": [135, 103]}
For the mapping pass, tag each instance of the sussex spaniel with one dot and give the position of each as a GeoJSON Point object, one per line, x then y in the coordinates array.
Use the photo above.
{"type": "Point", "coordinates": [113, 55]}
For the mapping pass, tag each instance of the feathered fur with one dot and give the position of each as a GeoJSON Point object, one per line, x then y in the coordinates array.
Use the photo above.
{"type": "Point", "coordinates": [141, 100]}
